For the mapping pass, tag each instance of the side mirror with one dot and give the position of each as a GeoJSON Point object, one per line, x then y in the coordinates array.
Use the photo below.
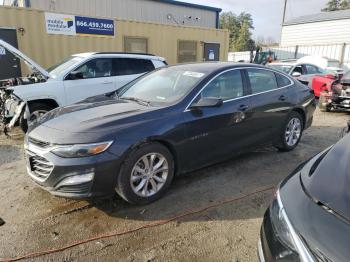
{"type": "Point", "coordinates": [296, 74]}
{"type": "Point", "coordinates": [75, 75]}
{"type": "Point", "coordinates": [207, 102]}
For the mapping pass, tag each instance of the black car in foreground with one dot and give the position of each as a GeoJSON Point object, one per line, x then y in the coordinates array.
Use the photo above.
{"type": "Point", "coordinates": [309, 220]}
{"type": "Point", "coordinates": [170, 121]}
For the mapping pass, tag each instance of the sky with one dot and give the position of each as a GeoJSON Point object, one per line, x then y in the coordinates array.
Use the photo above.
{"type": "Point", "coordinates": [267, 14]}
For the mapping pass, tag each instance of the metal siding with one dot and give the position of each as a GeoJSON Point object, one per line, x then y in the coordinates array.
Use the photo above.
{"type": "Point", "coordinates": [48, 50]}
{"type": "Point", "coordinates": [328, 32]}
{"type": "Point", "coordinates": [141, 10]}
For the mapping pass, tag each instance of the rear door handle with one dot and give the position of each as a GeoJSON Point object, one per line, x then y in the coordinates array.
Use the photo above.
{"type": "Point", "coordinates": [107, 82]}
{"type": "Point", "coordinates": [243, 107]}
{"type": "Point", "coordinates": [282, 98]}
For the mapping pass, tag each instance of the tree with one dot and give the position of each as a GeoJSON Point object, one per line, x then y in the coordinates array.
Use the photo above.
{"type": "Point", "coordinates": [239, 30]}
{"type": "Point", "coordinates": [335, 5]}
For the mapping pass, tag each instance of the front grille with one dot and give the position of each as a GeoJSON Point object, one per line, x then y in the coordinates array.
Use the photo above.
{"type": "Point", "coordinates": [38, 143]}
{"type": "Point", "coordinates": [39, 166]}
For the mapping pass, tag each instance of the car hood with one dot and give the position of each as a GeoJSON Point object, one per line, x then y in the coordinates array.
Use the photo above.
{"type": "Point", "coordinates": [34, 66]}
{"type": "Point", "coordinates": [97, 116]}
{"type": "Point", "coordinates": [330, 182]}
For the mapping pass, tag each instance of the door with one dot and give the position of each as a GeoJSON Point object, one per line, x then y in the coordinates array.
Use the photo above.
{"type": "Point", "coordinates": [128, 69]}
{"type": "Point", "coordinates": [214, 132]}
{"type": "Point", "coordinates": [270, 102]}
{"type": "Point", "coordinates": [211, 52]}
{"type": "Point", "coordinates": [96, 78]}
{"type": "Point", "coordinates": [9, 64]}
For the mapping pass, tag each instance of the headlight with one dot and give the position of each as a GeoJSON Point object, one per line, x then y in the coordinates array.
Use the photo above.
{"type": "Point", "coordinates": [81, 150]}
{"type": "Point", "coordinates": [285, 231]}
{"type": "Point", "coordinates": [279, 224]}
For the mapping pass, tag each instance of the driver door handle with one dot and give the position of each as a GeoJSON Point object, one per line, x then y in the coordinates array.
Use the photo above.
{"type": "Point", "coordinates": [282, 98]}
{"type": "Point", "coordinates": [243, 107]}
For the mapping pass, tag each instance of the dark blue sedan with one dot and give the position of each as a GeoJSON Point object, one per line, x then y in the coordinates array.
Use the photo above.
{"type": "Point", "coordinates": [173, 120]}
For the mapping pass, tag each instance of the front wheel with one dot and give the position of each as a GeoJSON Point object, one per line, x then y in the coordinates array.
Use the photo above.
{"type": "Point", "coordinates": [291, 133]}
{"type": "Point", "coordinates": [146, 174]}
{"type": "Point", "coordinates": [37, 110]}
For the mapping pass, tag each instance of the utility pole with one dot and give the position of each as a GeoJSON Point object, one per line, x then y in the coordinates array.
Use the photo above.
{"type": "Point", "coordinates": [284, 11]}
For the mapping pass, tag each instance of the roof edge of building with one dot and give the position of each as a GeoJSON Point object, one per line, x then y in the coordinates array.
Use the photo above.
{"type": "Point", "coordinates": [198, 6]}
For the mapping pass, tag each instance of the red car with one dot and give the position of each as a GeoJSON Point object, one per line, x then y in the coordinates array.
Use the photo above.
{"type": "Point", "coordinates": [333, 93]}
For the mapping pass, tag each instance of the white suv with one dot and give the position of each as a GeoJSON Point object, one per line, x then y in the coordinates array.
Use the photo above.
{"type": "Point", "coordinates": [76, 78]}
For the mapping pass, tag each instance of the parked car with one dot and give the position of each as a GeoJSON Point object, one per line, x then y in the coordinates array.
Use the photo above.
{"type": "Point", "coordinates": [300, 71]}
{"type": "Point", "coordinates": [335, 94]}
{"type": "Point", "coordinates": [309, 218]}
{"type": "Point", "coordinates": [78, 77]}
{"type": "Point", "coordinates": [170, 121]}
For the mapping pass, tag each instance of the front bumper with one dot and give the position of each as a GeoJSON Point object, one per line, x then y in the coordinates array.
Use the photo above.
{"type": "Point", "coordinates": [77, 178]}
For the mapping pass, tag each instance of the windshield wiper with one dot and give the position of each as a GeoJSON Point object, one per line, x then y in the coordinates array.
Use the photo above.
{"type": "Point", "coordinates": [137, 100]}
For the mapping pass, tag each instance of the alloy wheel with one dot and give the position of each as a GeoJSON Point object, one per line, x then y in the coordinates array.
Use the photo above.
{"type": "Point", "coordinates": [37, 114]}
{"type": "Point", "coordinates": [149, 174]}
{"type": "Point", "coordinates": [293, 132]}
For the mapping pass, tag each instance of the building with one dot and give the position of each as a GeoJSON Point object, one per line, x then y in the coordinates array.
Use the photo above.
{"type": "Point", "coordinates": [319, 29]}
{"type": "Point", "coordinates": [158, 11]}
{"type": "Point", "coordinates": [36, 32]}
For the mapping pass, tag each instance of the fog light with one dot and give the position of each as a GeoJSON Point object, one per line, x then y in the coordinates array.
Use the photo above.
{"type": "Point", "coordinates": [77, 180]}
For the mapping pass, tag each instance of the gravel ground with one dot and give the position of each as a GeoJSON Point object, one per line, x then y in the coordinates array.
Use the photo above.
{"type": "Point", "coordinates": [36, 221]}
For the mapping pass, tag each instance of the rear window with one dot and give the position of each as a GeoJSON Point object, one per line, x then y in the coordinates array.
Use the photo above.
{"type": "Point", "coordinates": [132, 66]}
{"type": "Point", "coordinates": [282, 80]}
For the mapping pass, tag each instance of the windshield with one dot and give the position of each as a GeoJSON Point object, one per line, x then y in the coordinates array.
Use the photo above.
{"type": "Point", "coordinates": [164, 86]}
{"type": "Point", "coordinates": [56, 70]}
{"type": "Point", "coordinates": [283, 68]}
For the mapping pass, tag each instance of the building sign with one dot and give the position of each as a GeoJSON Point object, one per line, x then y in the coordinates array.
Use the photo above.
{"type": "Point", "coordinates": [59, 24]}
{"type": "Point", "coordinates": [94, 26]}
{"type": "Point", "coordinates": [78, 25]}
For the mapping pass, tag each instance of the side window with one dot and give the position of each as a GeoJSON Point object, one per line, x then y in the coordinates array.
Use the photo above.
{"type": "Point", "coordinates": [131, 66]}
{"type": "Point", "coordinates": [226, 86]}
{"type": "Point", "coordinates": [262, 80]}
{"type": "Point", "coordinates": [101, 67]}
{"type": "Point", "coordinates": [282, 81]}
{"type": "Point", "coordinates": [298, 69]}
{"type": "Point", "coordinates": [310, 69]}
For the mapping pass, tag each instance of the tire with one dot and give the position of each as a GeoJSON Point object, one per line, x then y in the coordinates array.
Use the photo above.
{"type": "Point", "coordinates": [323, 108]}
{"type": "Point", "coordinates": [35, 108]}
{"type": "Point", "coordinates": [295, 122]}
{"type": "Point", "coordinates": [130, 177]}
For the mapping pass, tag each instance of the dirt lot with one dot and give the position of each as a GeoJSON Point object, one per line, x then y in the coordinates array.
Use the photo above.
{"type": "Point", "coordinates": [227, 231]}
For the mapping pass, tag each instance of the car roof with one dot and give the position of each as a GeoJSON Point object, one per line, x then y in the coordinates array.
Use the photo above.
{"type": "Point", "coordinates": [121, 54]}
{"type": "Point", "coordinates": [208, 67]}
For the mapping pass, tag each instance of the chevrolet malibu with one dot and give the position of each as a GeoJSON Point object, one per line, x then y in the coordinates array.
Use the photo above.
{"type": "Point", "coordinates": [309, 220]}
{"type": "Point", "coordinates": [173, 120]}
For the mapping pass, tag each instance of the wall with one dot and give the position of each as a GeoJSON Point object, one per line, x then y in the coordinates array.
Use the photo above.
{"type": "Point", "coordinates": [327, 32]}
{"type": "Point", "coordinates": [141, 10]}
{"type": "Point", "coordinates": [50, 49]}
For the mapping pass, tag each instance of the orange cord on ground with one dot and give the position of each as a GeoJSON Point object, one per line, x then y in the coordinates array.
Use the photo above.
{"type": "Point", "coordinates": [153, 224]}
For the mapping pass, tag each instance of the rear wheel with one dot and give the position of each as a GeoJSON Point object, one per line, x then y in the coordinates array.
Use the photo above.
{"type": "Point", "coordinates": [36, 111]}
{"type": "Point", "coordinates": [291, 134]}
{"type": "Point", "coordinates": [146, 174]}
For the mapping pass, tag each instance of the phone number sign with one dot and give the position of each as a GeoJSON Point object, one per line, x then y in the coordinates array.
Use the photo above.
{"type": "Point", "coordinates": [79, 25]}
{"type": "Point", "coordinates": [94, 26]}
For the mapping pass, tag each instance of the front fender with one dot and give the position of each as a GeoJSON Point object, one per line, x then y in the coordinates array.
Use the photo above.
{"type": "Point", "coordinates": [49, 90]}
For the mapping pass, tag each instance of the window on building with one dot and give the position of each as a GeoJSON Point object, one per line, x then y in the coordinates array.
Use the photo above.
{"type": "Point", "coordinates": [187, 51]}
{"type": "Point", "coordinates": [135, 44]}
